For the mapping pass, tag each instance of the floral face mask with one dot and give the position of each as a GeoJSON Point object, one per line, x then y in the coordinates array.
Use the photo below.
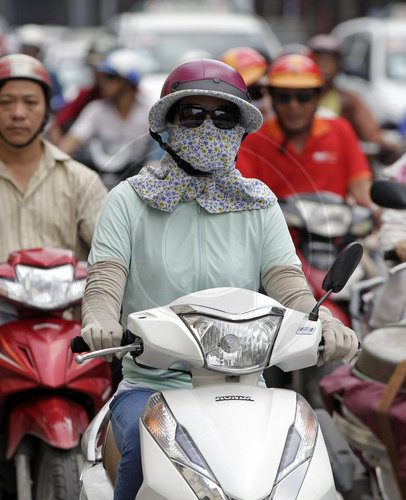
{"type": "Point", "coordinates": [206, 148]}
{"type": "Point", "coordinates": [211, 150]}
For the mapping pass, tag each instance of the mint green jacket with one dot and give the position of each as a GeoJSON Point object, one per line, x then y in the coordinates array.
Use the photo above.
{"type": "Point", "coordinates": [172, 254]}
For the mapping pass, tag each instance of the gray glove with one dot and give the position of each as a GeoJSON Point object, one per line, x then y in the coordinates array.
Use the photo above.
{"type": "Point", "coordinates": [340, 342]}
{"type": "Point", "coordinates": [102, 335]}
{"type": "Point", "coordinates": [101, 305]}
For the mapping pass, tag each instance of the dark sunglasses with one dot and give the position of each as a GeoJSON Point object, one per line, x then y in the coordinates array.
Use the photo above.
{"type": "Point", "coordinates": [193, 115]}
{"type": "Point", "coordinates": [300, 97]}
{"type": "Point", "coordinates": [109, 76]}
{"type": "Point", "coordinates": [257, 92]}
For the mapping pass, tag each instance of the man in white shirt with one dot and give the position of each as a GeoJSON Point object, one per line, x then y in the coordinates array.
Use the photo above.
{"type": "Point", "coordinates": [114, 129]}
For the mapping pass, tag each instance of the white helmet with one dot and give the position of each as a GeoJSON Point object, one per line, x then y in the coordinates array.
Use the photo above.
{"type": "Point", "coordinates": [124, 63]}
{"type": "Point", "coordinates": [31, 35]}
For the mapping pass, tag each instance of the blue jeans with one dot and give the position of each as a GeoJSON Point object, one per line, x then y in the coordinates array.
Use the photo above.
{"type": "Point", "coordinates": [126, 409]}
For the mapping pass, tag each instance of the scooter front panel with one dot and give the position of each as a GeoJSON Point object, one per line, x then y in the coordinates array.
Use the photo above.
{"type": "Point", "coordinates": [238, 429]}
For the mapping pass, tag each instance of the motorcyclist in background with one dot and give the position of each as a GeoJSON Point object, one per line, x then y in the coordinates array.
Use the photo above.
{"type": "Point", "coordinates": [327, 53]}
{"type": "Point", "coordinates": [114, 129]}
{"type": "Point", "coordinates": [46, 198]}
{"type": "Point", "coordinates": [64, 117]}
{"type": "Point", "coordinates": [31, 40]}
{"type": "Point", "coordinates": [252, 66]}
{"type": "Point", "coordinates": [297, 151]}
{"type": "Point", "coordinates": [191, 223]}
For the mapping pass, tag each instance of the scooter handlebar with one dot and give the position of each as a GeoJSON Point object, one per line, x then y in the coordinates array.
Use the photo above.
{"type": "Point", "coordinates": [78, 345]}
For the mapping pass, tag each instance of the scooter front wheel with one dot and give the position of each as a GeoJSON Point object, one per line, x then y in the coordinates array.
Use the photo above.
{"type": "Point", "coordinates": [58, 473]}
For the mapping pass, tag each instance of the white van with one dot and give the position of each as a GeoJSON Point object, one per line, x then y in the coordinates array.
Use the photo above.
{"type": "Point", "coordinates": [164, 39]}
{"type": "Point", "coordinates": [374, 65]}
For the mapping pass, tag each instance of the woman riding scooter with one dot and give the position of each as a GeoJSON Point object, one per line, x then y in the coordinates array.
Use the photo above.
{"type": "Point", "coordinates": [192, 223]}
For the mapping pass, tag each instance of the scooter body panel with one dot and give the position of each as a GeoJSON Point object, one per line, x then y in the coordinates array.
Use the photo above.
{"type": "Point", "coordinates": [241, 434]}
{"type": "Point", "coordinates": [318, 482]}
{"type": "Point", "coordinates": [95, 483]}
{"type": "Point", "coordinates": [55, 420]}
{"type": "Point", "coordinates": [235, 428]}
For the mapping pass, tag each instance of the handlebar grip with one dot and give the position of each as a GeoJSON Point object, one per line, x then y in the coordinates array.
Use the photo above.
{"type": "Point", "coordinates": [128, 338]}
{"type": "Point", "coordinates": [78, 345]}
{"type": "Point", "coordinates": [390, 255]}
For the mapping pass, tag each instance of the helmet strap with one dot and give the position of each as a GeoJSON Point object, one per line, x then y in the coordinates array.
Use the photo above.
{"type": "Point", "coordinates": [184, 165]}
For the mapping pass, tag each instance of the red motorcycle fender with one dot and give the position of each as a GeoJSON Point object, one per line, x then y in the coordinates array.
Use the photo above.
{"type": "Point", "coordinates": [55, 420]}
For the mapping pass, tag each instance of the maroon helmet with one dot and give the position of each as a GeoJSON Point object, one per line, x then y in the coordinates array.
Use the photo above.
{"type": "Point", "coordinates": [205, 77]}
{"type": "Point", "coordinates": [21, 66]}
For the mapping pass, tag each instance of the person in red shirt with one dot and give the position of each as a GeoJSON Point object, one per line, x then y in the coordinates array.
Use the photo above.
{"type": "Point", "coordinates": [297, 151]}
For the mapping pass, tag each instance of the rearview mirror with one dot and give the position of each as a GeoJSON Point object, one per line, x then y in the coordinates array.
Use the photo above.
{"type": "Point", "coordinates": [343, 267]}
{"type": "Point", "coordinates": [339, 273]}
{"type": "Point", "coordinates": [388, 193]}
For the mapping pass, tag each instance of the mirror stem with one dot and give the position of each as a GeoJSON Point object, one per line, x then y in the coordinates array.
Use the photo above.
{"type": "Point", "coordinates": [314, 315]}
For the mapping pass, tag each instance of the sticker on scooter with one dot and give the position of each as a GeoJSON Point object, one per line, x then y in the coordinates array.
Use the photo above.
{"type": "Point", "coordinates": [305, 330]}
{"type": "Point", "coordinates": [233, 398]}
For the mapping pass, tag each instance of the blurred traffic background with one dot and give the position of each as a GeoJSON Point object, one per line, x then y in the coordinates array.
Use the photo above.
{"type": "Point", "coordinates": [72, 37]}
{"type": "Point", "coordinates": [155, 29]}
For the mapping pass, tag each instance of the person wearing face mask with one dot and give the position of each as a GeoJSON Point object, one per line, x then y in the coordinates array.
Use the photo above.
{"type": "Point", "coordinates": [252, 66]}
{"type": "Point", "coordinates": [191, 223]}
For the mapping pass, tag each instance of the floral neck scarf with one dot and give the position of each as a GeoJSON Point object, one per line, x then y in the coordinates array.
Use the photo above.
{"type": "Point", "coordinates": [208, 149]}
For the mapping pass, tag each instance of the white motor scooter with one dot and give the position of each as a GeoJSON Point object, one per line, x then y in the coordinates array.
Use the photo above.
{"type": "Point", "coordinates": [229, 437]}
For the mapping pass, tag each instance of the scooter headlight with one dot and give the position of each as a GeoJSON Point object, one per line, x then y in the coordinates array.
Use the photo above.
{"type": "Point", "coordinates": [300, 441]}
{"type": "Point", "coordinates": [52, 288]}
{"type": "Point", "coordinates": [177, 444]}
{"type": "Point", "coordinates": [234, 346]}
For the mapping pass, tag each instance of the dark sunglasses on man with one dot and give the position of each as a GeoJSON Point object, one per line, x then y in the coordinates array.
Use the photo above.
{"type": "Point", "coordinates": [301, 96]}
{"type": "Point", "coordinates": [224, 117]}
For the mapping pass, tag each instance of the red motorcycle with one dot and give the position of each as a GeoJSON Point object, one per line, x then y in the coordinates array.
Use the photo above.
{"type": "Point", "coordinates": [322, 224]}
{"type": "Point", "coordinates": [46, 399]}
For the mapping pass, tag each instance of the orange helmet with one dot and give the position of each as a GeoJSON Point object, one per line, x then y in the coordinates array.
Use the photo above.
{"type": "Point", "coordinates": [295, 71]}
{"type": "Point", "coordinates": [250, 63]}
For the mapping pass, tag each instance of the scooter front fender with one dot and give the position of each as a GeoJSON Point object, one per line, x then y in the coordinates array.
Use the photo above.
{"type": "Point", "coordinates": [54, 419]}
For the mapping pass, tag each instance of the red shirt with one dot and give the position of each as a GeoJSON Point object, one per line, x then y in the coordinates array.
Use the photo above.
{"type": "Point", "coordinates": [331, 160]}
